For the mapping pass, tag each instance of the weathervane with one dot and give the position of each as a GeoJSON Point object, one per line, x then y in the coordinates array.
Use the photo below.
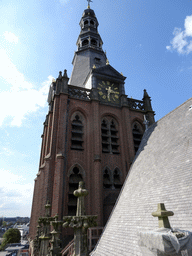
{"type": "Point", "coordinates": [89, 3]}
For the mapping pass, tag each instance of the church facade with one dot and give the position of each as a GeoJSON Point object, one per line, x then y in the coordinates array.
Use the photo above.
{"type": "Point", "coordinates": [91, 133]}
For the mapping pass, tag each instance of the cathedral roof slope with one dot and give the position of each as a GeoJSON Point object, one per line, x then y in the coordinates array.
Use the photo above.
{"type": "Point", "coordinates": [161, 173]}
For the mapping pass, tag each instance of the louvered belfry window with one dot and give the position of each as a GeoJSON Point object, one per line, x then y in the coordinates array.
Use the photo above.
{"type": "Point", "coordinates": [137, 135]}
{"type": "Point", "coordinates": [109, 136]}
{"type": "Point", "coordinates": [77, 134]}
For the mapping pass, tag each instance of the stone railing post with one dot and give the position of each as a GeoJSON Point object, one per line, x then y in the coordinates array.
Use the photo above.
{"type": "Point", "coordinates": [80, 222]}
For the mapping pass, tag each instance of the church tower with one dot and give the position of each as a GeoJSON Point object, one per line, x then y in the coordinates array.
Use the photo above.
{"type": "Point", "coordinates": [91, 132]}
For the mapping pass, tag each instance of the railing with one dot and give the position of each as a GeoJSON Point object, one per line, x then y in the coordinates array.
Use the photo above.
{"type": "Point", "coordinates": [79, 92]}
{"type": "Point", "coordinates": [135, 104]}
{"type": "Point", "coordinates": [69, 249]}
{"type": "Point", "coordinates": [85, 94]}
{"type": "Point", "coordinates": [93, 237]}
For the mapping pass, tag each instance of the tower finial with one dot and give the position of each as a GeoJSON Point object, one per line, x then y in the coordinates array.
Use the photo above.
{"type": "Point", "coordinates": [89, 3]}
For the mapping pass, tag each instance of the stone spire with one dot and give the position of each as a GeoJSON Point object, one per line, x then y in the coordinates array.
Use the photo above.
{"type": "Point", "coordinates": [89, 49]}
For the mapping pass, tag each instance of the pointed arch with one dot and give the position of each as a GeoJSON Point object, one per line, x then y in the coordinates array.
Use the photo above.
{"type": "Point", "coordinates": [77, 131]}
{"type": "Point", "coordinates": [107, 178]}
{"type": "Point", "coordinates": [117, 178]}
{"type": "Point", "coordinates": [76, 174]}
{"type": "Point", "coordinates": [137, 131]}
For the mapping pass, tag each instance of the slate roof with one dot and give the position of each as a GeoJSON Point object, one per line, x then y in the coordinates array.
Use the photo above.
{"type": "Point", "coordinates": [161, 173]}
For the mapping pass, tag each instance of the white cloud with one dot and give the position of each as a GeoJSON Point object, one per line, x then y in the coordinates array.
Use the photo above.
{"type": "Point", "coordinates": [10, 37]}
{"type": "Point", "coordinates": [16, 196]}
{"type": "Point", "coordinates": [181, 41]}
{"type": "Point", "coordinates": [6, 152]}
{"type": "Point", "coordinates": [22, 98]}
{"type": "Point", "coordinates": [188, 26]}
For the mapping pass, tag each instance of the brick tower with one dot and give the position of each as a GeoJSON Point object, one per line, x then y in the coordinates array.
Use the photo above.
{"type": "Point", "coordinates": [91, 132]}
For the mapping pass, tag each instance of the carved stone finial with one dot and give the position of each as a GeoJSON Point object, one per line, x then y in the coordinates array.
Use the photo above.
{"type": "Point", "coordinates": [107, 62]}
{"type": "Point", "coordinates": [147, 101]}
{"type": "Point", "coordinates": [60, 75]}
{"type": "Point", "coordinates": [162, 215]}
{"type": "Point", "coordinates": [65, 73]}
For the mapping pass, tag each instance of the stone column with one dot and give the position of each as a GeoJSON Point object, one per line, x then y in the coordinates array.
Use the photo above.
{"type": "Point", "coordinates": [80, 223]}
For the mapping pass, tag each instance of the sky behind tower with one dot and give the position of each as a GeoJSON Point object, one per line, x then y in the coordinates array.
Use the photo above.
{"type": "Point", "coordinates": [150, 42]}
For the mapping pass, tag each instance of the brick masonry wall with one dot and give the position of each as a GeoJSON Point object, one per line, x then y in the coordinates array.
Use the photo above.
{"type": "Point", "coordinates": [58, 162]}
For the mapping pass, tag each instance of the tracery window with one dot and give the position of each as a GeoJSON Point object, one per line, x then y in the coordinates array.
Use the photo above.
{"type": "Point", "coordinates": [77, 133]}
{"type": "Point", "coordinates": [137, 131]}
{"type": "Point", "coordinates": [74, 180]}
{"type": "Point", "coordinates": [109, 136]}
{"type": "Point", "coordinates": [112, 180]}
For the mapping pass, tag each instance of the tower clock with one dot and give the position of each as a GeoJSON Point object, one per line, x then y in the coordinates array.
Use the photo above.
{"type": "Point", "coordinates": [108, 91]}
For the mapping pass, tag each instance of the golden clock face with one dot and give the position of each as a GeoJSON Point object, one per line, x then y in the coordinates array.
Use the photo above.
{"type": "Point", "coordinates": [108, 91]}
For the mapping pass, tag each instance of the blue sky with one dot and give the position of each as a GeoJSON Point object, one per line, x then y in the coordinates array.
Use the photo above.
{"type": "Point", "coordinates": [150, 42]}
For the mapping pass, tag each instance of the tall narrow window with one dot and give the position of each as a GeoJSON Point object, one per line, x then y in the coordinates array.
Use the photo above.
{"type": "Point", "coordinates": [86, 23]}
{"type": "Point", "coordinates": [77, 134]}
{"type": "Point", "coordinates": [114, 138]}
{"type": "Point", "coordinates": [92, 22]}
{"type": "Point", "coordinates": [74, 180]}
{"type": "Point", "coordinates": [117, 179]}
{"type": "Point", "coordinates": [109, 135]}
{"type": "Point", "coordinates": [105, 136]}
{"type": "Point", "coordinates": [137, 135]}
{"type": "Point", "coordinates": [107, 178]}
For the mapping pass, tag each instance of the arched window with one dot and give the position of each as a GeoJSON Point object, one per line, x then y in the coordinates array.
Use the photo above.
{"type": "Point", "coordinates": [85, 22]}
{"type": "Point", "coordinates": [117, 179]}
{"type": "Point", "coordinates": [74, 180]}
{"type": "Point", "coordinates": [92, 22]}
{"type": "Point", "coordinates": [105, 136]}
{"type": "Point", "coordinates": [107, 183]}
{"type": "Point", "coordinates": [137, 131]}
{"type": "Point", "coordinates": [109, 136]}
{"type": "Point", "coordinates": [85, 42]}
{"type": "Point", "coordinates": [112, 180]}
{"type": "Point", "coordinates": [93, 42]}
{"type": "Point", "coordinates": [77, 133]}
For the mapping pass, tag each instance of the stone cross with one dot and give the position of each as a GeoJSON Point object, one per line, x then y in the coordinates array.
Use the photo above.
{"type": "Point", "coordinates": [162, 215]}
{"type": "Point", "coordinates": [80, 222]}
